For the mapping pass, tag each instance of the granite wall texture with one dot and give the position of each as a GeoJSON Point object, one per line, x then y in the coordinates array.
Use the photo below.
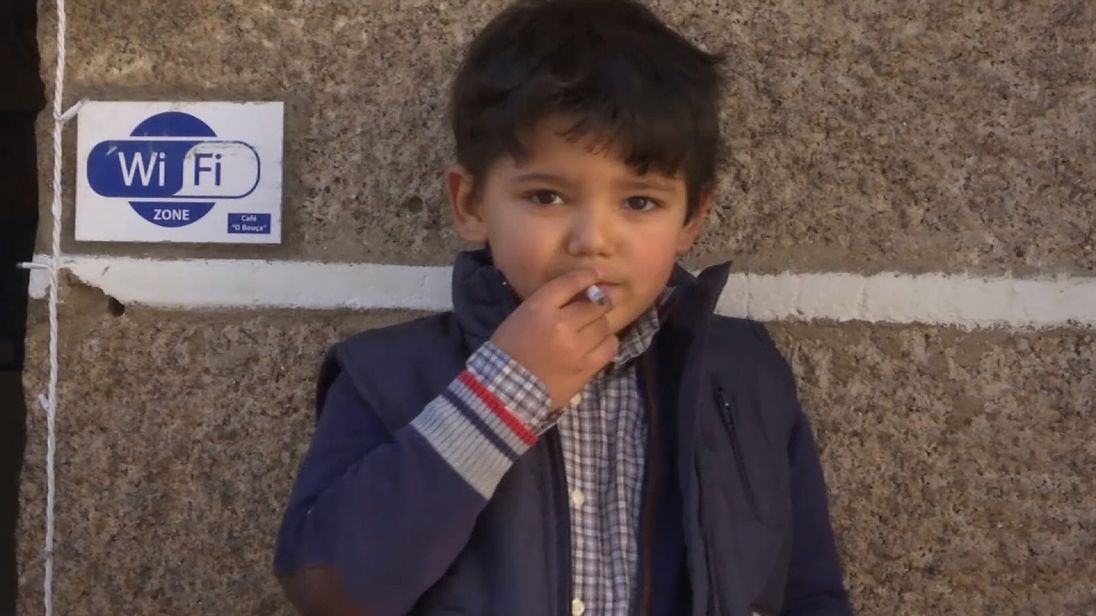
{"type": "Point", "coordinates": [866, 136]}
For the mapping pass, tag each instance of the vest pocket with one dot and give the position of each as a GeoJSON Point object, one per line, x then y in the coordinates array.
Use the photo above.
{"type": "Point", "coordinates": [727, 415]}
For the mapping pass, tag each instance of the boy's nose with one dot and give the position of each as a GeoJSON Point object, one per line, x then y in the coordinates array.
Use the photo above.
{"type": "Point", "coordinates": [591, 233]}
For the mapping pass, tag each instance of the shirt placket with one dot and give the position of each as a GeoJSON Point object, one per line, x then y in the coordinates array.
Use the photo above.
{"type": "Point", "coordinates": [603, 446]}
{"type": "Point", "coordinates": [580, 456]}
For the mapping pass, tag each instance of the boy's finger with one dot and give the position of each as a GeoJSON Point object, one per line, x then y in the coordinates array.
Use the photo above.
{"type": "Point", "coordinates": [582, 312]}
{"type": "Point", "coordinates": [595, 332]}
{"type": "Point", "coordinates": [561, 290]}
{"type": "Point", "coordinates": [604, 352]}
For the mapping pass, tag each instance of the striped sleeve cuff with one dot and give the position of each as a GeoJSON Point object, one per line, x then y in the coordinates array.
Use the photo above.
{"type": "Point", "coordinates": [515, 387]}
{"type": "Point", "coordinates": [488, 416]}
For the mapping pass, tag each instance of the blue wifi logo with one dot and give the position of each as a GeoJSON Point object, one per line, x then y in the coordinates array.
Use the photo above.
{"type": "Point", "coordinates": [172, 168]}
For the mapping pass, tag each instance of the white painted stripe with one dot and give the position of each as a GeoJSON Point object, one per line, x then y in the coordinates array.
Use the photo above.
{"type": "Point", "coordinates": [208, 283]}
{"type": "Point", "coordinates": [940, 299]}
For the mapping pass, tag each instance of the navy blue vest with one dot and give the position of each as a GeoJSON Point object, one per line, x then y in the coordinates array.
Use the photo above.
{"type": "Point", "coordinates": [734, 518]}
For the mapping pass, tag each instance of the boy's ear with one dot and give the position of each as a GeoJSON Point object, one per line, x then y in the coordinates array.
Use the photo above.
{"type": "Point", "coordinates": [695, 225]}
{"type": "Point", "coordinates": [466, 210]}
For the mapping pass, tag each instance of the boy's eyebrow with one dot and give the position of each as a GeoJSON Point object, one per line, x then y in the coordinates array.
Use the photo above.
{"type": "Point", "coordinates": [625, 184]}
{"type": "Point", "coordinates": [644, 184]}
{"type": "Point", "coordinates": [541, 177]}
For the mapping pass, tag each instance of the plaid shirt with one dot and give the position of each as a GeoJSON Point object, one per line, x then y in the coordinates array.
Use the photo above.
{"type": "Point", "coordinates": [604, 440]}
{"type": "Point", "coordinates": [604, 433]}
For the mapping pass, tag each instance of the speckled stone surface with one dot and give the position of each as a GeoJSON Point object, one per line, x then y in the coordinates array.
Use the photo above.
{"type": "Point", "coordinates": [866, 136]}
{"type": "Point", "coordinates": [961, 465]}
{"type": "Point", "coordinates": [178, 439]}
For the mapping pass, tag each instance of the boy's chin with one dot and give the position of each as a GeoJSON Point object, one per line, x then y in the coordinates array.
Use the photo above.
{"type": "Point", "coordinates": [621, 320]}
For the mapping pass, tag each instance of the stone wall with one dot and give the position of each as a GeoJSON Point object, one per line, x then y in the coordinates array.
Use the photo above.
{"type": "Point", "coordinates": [866, 137]}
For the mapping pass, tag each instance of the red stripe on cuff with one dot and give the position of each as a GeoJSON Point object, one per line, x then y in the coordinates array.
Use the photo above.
{"type": "Point", "coordinates": [498, 408]}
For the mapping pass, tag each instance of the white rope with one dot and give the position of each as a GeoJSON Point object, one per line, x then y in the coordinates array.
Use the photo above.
{"type": "Point", "coordinates": [49, 401]}
{"type": "Point", "coordinates": [53, 266]}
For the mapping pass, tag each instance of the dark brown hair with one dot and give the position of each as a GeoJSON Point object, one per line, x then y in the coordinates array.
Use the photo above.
{"type": "Point", "coordinates": [634, 84]}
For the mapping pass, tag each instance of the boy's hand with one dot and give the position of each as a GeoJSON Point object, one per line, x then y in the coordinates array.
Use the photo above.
{"type": "Point", "coordinates": [562, 340]}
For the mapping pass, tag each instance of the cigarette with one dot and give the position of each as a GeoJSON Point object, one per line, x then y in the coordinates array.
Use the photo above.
{"type": "Point", "coordinates": [596, 295]}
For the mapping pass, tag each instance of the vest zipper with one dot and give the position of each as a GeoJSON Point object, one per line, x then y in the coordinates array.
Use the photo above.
{"type": "Point", "coordinates": [650, 491]}
{"type": "Point", "coordinates": [727, 412]}
{"type": "Point", "coordinates": [559, 489]}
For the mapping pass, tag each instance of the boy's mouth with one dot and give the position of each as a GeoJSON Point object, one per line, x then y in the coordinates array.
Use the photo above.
{"type": "Point", "coordinates": [597, 295]}
{"type": "Point", "coordinates": [611, 289]}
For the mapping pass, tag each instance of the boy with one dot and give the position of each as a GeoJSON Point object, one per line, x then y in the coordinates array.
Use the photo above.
{"type": "Point", "coordinates": [547, 447]}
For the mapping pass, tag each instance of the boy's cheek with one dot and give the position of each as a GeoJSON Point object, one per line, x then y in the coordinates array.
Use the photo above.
{"type": "Point", "coordinates": [653, 270]}
{"type": "Point", "coordinates": [523, 282]}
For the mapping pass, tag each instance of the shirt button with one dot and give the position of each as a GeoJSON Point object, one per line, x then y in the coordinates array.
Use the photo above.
{"type": "Point", "coordinates": [576, 400]}
{"type": "Point", "coordinates": [578, 498]}
{"type": "Point", "coordinates": [577, 607]}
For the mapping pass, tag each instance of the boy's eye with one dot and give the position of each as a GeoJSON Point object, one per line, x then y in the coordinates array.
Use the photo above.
{"type": "Point", "coordinates": [544, 197]}
{"type": "Point", "coordinates": [641, 204]}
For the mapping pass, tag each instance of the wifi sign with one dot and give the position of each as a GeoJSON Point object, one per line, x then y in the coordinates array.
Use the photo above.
{"type": "Point", "coordinates": [169, 177]}
{"type": "Point", "coordinates": [173, 169]}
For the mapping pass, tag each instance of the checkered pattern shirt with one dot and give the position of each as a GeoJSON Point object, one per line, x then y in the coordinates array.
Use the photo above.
{"type": "Point", "coordinates": [496, 409]}
{"type": "Point", "coordinates": [604, 439]}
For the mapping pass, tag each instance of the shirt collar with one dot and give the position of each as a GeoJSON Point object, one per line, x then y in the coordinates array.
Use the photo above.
{"type": "Point", "coordinates": [637, 339]}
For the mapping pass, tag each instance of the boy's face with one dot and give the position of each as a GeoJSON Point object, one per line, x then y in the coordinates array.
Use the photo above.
{"type": "Point", "coordinates": [566, 208]}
